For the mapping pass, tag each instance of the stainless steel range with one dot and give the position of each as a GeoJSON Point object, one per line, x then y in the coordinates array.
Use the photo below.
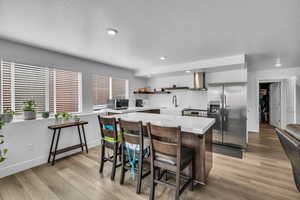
{"type": "Point", "coordinates": [194, 112]}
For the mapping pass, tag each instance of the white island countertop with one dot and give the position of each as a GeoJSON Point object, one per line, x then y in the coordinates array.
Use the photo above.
{"type": "Point", "coordinates": [130, 109]}
{"type": "Point", "coordinates": [196, 125]}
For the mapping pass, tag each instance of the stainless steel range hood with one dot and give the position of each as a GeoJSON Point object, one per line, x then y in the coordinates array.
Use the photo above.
{"type": "Point", "coordinates": [199, 81]}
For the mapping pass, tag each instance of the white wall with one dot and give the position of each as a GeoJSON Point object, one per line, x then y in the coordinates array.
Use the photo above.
{"type": "Point", "coordinates": [11, 51]}
{"type": "Point", "coordinates": [29, 141]}
{"type": "Point", "coordinates": [298, 99]}
{"type": "Point", "coordinates": [186, 98]}
{"type": "Point", "coordinates": [290, 75]}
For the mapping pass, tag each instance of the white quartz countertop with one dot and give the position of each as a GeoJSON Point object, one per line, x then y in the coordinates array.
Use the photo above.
{"type": "Point", "coordinates": [130, 109]}
{"type": "Point", "coordinates": [196, 125]}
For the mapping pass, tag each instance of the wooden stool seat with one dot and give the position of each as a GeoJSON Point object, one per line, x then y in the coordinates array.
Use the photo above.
{"type": "Point", "coordinates": [109, 139]}
{"type": "Point", "coordinates": [187, 157]}
{"type": "Point", "coordinates": [133, 147]}
{"type": "Point", "coordinates": [168, 154]}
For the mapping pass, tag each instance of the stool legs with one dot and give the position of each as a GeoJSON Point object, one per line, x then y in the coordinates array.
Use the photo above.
{"type": "Point", "coordinates": [140, 173]}
{"type": "Point", "coordinates": [102, 153]}
{"type": "Point", "coordinates": [115, 155]}
{"type": "Point", "coordinates": [123, 170]}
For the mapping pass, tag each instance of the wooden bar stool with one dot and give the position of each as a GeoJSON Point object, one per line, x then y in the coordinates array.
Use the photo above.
{"type": "Point", "coordinates": [168, 154]}
{"type": "Point", "coordinates": [133, 151]}
{"type": "Point", "coordinates": [109, 139]}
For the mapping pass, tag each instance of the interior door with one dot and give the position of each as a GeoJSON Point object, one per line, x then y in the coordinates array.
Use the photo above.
{"type": "Point", "coordinates": [275, 105]}
{"type": "Point", "coordinates": [235, 115]}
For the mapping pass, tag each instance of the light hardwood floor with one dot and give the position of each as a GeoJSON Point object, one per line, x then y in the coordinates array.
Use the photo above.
{"type": "Point", "coordinates": [264, 173]}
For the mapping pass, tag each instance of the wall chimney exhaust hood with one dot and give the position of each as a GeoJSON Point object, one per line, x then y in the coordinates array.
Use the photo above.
{"type": "Point", "coordinates": [199, 81]}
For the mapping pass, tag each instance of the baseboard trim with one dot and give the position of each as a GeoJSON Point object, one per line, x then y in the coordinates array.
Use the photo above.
{"type": "Point", "coordinates": [24, 165]}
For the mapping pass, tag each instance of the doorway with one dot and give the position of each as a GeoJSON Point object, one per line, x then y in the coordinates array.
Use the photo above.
{"type": "Point", "coordinates": [270, 104]}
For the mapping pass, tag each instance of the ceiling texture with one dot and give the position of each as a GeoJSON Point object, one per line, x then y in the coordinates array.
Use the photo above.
{"type": "Point", "coordinates": [182, 30]}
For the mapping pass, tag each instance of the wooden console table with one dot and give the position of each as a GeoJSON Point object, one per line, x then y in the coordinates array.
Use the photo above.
{"type": "Point", "coordinates": [58, 128]}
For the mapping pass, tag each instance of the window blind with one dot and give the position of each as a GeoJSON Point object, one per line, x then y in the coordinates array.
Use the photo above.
{"type": "Point", "coordinates": [53, 90]}
{"type": "Point", "coordinates": [118, 88]}
{"type": "Point", "coordinates": [64, 90]}
{"type": "Point", "coordinates": [100, 86]}
{"type": "Point", "coordinates": [30, 84]}
{"type": "Point", "coordinates": [6, 91]}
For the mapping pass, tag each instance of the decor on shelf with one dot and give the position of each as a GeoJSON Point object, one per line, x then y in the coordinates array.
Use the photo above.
{"type": "Point", "coordinates": [45, 115]}
{"type": "Point", "coordinates": [66, 117]}
{"type": "Point", "coordinates": [76, 118]}
{"type": "Point", "coordinates": [3, 150]}
{"type": "Point", "coordinates": [29, 110]}
{"type": "Point", "coordinates": [7, 116]}
{"type": "Point", "coordinates": [62, 117]}
{"type": "Point", "coordinates": [58, 118]}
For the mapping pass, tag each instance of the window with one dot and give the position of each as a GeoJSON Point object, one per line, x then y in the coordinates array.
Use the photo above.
{"type": "Point", "coordinates": [53, 90]}
{"type": "Point", "coordinates": [29, 84]}
{"type": "Point", "coordinates": [119, 89]}
{"type": "Point", "coordinates": [64, 91]}
{"type": "Point", "coordinates": [100, 85]}
{"type": "Point", "coordinates": [105, 88]}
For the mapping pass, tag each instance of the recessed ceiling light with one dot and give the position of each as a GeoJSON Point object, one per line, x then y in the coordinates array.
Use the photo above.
{"type": "Point", "coordinates": [163, 58]}
{"type": "Point", "coordinates": [278, 63]}
{"type": "Point", "coordinates": [187, 71]}
{"type": "Point", "coordinates": [111, 31]}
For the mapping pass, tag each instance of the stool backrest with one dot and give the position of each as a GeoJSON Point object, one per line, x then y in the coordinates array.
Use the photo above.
{"type": "Point", "coordinates": [165, 140]}
{"type": "Point", "coordinates": [132, 132]}
{"type": "Point", "coordinates": [108, 127]}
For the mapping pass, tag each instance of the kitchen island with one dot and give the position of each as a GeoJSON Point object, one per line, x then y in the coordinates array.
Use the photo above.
{"type": "Point", "coordinates": [196, 134]}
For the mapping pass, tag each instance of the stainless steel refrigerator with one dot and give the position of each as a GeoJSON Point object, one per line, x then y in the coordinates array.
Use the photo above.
{"type": "Point", "coordinates": [227, 103]}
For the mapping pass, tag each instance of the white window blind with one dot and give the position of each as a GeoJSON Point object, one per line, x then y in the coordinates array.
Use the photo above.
{"type": "Point", "coordinates": [29, 84]}
{"type": "Point", "coordinates": [53, 90]}
{"type": "Point", "coordinates": [100, 86]}
{"type": "Point", "coordinates": [6, 91]}
{"type": "Point", "coordinates": [119, 88]}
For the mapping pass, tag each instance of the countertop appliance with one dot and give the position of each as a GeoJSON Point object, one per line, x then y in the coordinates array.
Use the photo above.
{"type": "Point", "coordinates": [194, 112]}
{"type": "Point", "coordinates": [139, 103]}
{"type": "Point", "coordinates": [227, 103]}
{"type": "Point", "coordinates": [118, 104]}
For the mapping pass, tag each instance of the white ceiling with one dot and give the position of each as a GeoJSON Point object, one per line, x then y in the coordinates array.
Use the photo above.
{"type": "Point", "coordinates": [183, 30]}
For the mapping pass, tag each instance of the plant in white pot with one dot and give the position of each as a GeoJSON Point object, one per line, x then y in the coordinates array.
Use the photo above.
{"type": "Point", "coordinates": [29, 110]}
{"type": "Point", "coordinates": [3, 150]}
{"type": "Point", "coordinates": [7, 116]}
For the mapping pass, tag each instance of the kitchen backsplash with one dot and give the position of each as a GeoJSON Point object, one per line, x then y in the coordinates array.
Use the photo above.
{"type": "Point", "coordinates": [188, 98]}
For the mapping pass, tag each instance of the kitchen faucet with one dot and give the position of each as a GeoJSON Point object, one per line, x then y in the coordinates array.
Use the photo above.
{"type": "Point", "coordinates": [174, 101]}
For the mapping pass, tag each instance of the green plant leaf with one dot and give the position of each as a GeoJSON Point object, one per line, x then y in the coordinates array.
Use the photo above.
{"type": "Point", "coordinates": [2, 159]}
{"type": "Point", "coordinates": [5, 151]}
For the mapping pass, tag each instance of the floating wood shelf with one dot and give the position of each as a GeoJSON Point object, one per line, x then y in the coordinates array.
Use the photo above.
{"type": "Point", "coordinates": [163, 92]}
{"type": "Point", "coordinates": [177, 88]}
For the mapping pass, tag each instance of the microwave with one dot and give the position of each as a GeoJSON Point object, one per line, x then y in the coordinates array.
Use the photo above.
{"type": "Point", "coordinates": [118, 104]}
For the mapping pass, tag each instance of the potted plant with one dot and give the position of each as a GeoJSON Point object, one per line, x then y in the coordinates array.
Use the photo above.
{"type": "Point", "coordinates": [76, 118]}
{"type": "Point", "coordinates": [66, 117]}
{"type": "Point", "coordinates": [58, 118]}
{"type": "Point", "coordinates": [29, 110]}
{"type": "Point", "coordinates": [45, 115]}
{"type": "Point", "coordinates": [3, 150]}
{"type": "Point", "coordinates": [7, 115]}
